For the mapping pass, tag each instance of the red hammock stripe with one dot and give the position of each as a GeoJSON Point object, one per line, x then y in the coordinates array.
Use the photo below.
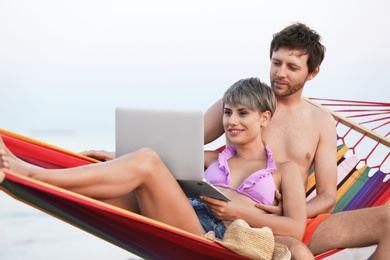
{"type": "Point", "coordinates": [349, 102]}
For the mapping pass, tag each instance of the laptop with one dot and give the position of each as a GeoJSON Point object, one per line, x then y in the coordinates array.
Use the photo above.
{"type": "Point", "coordinates": [176, 136]}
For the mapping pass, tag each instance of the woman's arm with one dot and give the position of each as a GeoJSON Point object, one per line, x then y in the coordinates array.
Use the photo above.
{"type": "Point", "coordinates": [293, 221]}
{"type": "Point", "coordinates": [213, 127]}
{"type": "Point", "coordinates": [209, 158]}
{"type": "Point", "coordinates": [294, 201]}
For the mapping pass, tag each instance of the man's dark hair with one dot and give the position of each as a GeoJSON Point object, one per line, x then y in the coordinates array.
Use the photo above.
{"type": "Point", "coordinates": [301, 37]}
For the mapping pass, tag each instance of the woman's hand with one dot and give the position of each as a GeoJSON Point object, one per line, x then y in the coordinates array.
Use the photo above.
{"type": "Point", "coordinates": [223, 210]}
{"type": "Point", "coordinates": [100, 155]}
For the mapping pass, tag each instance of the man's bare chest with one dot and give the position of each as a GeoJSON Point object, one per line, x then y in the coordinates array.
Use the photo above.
{"type": "Point", "coordinates": [292, 141]}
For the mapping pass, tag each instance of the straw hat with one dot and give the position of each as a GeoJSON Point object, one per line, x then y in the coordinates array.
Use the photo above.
{"type": "Point", "coordinates": [255, 243]}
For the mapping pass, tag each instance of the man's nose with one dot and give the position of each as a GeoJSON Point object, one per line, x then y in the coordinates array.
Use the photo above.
{"type": "Point", "coordinates": [281, 72]}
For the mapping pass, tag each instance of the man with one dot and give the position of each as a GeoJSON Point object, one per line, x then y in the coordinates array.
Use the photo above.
{"type": "Point", "coordinates": [296, 55]}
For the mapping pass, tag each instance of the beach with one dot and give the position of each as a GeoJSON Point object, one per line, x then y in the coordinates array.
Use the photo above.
{"type": "Point", "coordinates": [66, 65]}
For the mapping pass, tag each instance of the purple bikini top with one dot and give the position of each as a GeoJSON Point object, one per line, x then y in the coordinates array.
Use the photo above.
{"type": "Point", "coordinates": [259, 186]}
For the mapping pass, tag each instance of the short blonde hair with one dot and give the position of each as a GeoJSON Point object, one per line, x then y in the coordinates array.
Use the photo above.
{"type": "Point", "coordinates": [251, 93]}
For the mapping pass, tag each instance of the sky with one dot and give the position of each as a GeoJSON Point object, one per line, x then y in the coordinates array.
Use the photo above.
{"type": "Point", "coordinates": [66, 65]}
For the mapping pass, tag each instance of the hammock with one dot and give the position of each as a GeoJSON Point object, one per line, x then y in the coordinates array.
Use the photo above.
{"type": "Point", "coordinates": [362, 155]}
{"type": "Point", "coordinates": [137, 234]}
{"type": "Point", "coordinates": [358, 187]}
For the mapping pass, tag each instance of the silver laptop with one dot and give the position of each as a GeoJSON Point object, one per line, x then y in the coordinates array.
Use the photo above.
{"type": "Point", "coordinates": [177, 137]}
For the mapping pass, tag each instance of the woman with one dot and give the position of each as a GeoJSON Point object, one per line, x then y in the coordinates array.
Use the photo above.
{"type": "Point", "coordinates": [245, 172]}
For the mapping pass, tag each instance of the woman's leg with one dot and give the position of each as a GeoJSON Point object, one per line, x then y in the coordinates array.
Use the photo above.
{"type": "Point", "coordinates": [104, 180]}
{"type": "Point", "coordinates": [128, 202]}
{"type": "Point", "coordinates": [158, 193]}
{"type": "Point", "coordinates": [299, 250]}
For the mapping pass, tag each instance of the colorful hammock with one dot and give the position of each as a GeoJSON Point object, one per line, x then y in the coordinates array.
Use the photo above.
{"type": "Point", "coordinates": [362, 156]}
{"type": "Point", "coordinates": [357, 188]}
{"type": "Point", "coordinates": [137, 234]}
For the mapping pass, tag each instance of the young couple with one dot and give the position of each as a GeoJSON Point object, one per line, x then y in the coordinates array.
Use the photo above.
{"type": "Point", "coordinates": [245, 172]}
{"type": "Point", "coordinates": [246, 108]}
{"type": "Point", "coordinates": [306, 135]}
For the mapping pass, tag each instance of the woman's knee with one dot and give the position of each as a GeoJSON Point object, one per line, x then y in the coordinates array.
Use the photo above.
{"type": "Point", "coordinates": [147, 161]}
{"type": "Point", "coordinates": [297, 248]}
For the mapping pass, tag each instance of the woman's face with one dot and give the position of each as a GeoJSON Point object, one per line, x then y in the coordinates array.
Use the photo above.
{"type": "Point", "coordinates": [241, 124]}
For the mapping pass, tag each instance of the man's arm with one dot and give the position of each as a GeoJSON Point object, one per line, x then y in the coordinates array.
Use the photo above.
{"type": "Point", "coordinates": [325, 168]}
{"type": "Point", "coordinates": [213, 127]}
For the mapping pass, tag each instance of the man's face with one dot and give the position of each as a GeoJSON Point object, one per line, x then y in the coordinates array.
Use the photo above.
{"type": "Point", "coordinates": [289, 71]}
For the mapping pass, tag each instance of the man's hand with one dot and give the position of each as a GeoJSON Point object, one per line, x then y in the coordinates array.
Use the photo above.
{"type": "Point", "coordinates": [100, 155]}
{"type": "Point", "coordinates": [277, 210]}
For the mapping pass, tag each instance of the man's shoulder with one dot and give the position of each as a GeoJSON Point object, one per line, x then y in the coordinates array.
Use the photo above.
{"type": "Point", "coordinates": [319, 113]}
{"type": "Point", "coordinates": [322, 122]}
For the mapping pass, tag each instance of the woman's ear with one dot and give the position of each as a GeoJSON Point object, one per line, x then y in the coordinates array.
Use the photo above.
{"type": "Point", "coordinates": [265, 118]}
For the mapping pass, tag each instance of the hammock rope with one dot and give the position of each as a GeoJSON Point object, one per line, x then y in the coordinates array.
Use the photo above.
{"type": "Point", "coordinates": [367, 182]}
{"type": "Point", "coordinates": [354, 111]}
{"type": "Point", "coordinates": [369, 142]}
